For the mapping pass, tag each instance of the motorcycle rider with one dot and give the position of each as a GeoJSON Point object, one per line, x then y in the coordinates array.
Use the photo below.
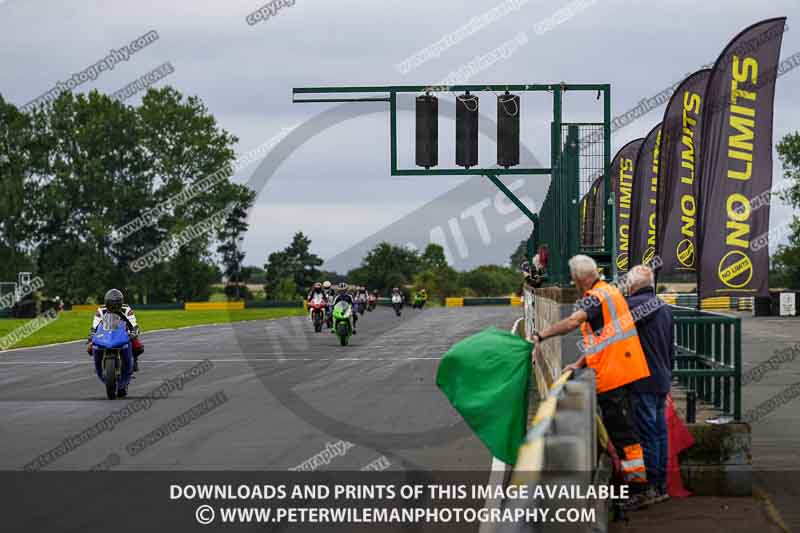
{"type": "Point", "coordinates": [114, 303]}
{"type": "Point", "coordinates": [396, 291]}
{"type": "Point", "coordinates": [330, 295]}
{"type": "Point", "coordinates": [421, 298]}
{"type": "Point", "coordinates": [397, 300]}
{"type": "Point", "coordinates": [372, 299]}
{"type": "Point", "coordinates": [345, 296]}
{"type": "Point", "coordinates": [362, 297]}
{"type": "Point", "coordinates": [315, 290]}
{"type": "Point", "coordinates": [328, 290]}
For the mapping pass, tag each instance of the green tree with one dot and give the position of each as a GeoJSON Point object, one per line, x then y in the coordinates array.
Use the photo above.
{"type": "Point", "coordinates": [295, 262]}
{"type": "Point", "coordinates": [19, 155]}
{"type": "Point", "coordinates": [253, 274]}
{"type": "Point", "coordinates": [85, 165]}
{"type": "Point", "coordinates": [786, 260]}
{"type": "Point", "coordinates": [437, 277]}
{"type": "Point", "coordinates": [230, 236]}
{"type": "Point", "coordinates": [386, 266]}
{"type": "Point", "coordinates": [492, 280]}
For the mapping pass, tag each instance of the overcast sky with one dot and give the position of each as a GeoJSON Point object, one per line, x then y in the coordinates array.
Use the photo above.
{"type": "Point", "coordinates": [336, 187]}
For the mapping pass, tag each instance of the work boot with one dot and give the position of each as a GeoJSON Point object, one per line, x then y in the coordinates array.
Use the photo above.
{"type": "Point", "coordinates": [661, 495]}
{"type": "Point", "coordinates": [637, 501]}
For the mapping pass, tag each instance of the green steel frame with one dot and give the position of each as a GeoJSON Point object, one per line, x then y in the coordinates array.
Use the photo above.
{"type": "Point", "coordinates": [563, 192]}
{"type": "Point", "coordinates": [709, 357]}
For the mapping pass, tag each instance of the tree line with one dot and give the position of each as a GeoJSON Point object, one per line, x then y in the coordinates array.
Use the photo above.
{"type": "Point", "coordinates": [74, 170]}
{"type": "Point", "coordinates": [289, 273]}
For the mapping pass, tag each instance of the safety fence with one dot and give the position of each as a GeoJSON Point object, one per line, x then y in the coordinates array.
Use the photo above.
{"type": "Point", "coordinates": [708, 357]}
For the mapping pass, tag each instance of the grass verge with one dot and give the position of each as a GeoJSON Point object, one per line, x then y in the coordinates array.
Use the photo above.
{"type": "Point", "coordinates": [74, 325]}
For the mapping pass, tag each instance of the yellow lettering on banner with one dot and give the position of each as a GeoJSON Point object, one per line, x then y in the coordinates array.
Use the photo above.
{"type": "Point", "coordinates": [651, 230]}
{"type": "Point", "coordinates": [625, 183]}
{"type": "Point", "coordinates": [654, 178]}
{"type": "Point", "coordinates": [738, 220]}
{"type": "Point", "coordinates": [623, 237]}
{"type": "Point", "coordinates": [688, 209]}
{"type": "Point", "coordinates": [735, 269]}
{"type": "Point", "coordinates": [744, 140]}
{"type": "Point", "coordinates": [740, 71]}
{"type": "Point", "coordinates": [691, 104]}
{"type": "Point", "coordinates": [742, 119]}
{"type": "Point", "coordinates": [625, 188]}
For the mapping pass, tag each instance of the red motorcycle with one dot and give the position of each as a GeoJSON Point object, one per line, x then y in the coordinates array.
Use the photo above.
{"type": "Point", "coordinates": [316, 308]}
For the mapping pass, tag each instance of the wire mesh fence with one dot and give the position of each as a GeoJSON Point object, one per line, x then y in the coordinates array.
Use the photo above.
{"type": "Point", "coordinates": [585, 142]}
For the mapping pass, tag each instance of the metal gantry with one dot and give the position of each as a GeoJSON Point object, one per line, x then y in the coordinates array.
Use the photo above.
{"type": "Point", "coordinates": [560, 228]}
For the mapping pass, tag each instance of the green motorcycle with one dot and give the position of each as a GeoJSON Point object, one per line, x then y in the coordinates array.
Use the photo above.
{"type": "Point", "coordinates": [342, 322]}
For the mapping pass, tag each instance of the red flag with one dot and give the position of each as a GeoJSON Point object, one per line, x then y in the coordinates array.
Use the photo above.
{"type": "Point", "coordinates": [679, 439]}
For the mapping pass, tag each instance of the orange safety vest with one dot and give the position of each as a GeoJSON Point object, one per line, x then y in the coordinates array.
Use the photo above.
{"type": "Point", "coordinates": [614, 353]}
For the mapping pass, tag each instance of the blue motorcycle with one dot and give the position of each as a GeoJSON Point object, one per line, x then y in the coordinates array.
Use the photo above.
{"type": "Point", "coordinates": [113, 356]}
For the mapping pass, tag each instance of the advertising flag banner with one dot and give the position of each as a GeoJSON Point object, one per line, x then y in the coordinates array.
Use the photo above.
{"type": "Point", "coordinates": [597, 212]}
{"type": "Point", "coordinates": [676, 220]}
{"type": "Point", "coordinates": [644, 200]}
{"type": "Point", "coordinates": [622, 186]}
{"type": "Point", "coordinates": [736, 164]}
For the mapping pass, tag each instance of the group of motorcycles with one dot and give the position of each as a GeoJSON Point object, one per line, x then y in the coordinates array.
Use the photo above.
{"type": "Point", "coordinates": [339, 318]}
{"type": "Point", "coordinates": [342, 317]}
{"type": "Point", "coordinates": [113, 356]}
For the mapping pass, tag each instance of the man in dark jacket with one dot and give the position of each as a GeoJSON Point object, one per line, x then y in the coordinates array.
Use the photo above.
{"type": "Point", "coordinates": [653, 320]}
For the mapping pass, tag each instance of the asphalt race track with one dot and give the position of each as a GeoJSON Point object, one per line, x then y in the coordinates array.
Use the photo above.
{"type": "Point", "coordinates": [288, 395]}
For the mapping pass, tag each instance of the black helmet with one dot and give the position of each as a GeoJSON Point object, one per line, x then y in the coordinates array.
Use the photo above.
{"type": "Point", "coordinates": [114, 300]}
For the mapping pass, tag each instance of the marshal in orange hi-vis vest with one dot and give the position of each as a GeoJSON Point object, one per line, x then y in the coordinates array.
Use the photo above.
{"type": "Point", "coordinates": [614, 353]}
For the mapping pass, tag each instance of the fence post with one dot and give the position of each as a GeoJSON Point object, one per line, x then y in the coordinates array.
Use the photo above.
{"type": "Point", "coordinates": [737, 367]}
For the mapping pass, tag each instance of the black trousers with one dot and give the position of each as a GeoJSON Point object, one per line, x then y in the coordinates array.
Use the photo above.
{"type": "Point", "coordinates": [619, 420]}
{"type": "Point", "coordinates": [618, 417]}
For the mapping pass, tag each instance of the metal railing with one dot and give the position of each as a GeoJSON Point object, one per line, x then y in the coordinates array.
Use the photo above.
{"type": "Point", "coordinates": [708, 359]}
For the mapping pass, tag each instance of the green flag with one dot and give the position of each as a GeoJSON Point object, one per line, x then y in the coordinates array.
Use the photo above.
{"type": "Point", "coordinates": [486, 378]}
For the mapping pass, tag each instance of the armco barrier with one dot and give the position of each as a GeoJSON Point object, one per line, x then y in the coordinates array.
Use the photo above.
{"type": "Point", "coordinates": [197, 306]}
{"type": "Point", "coordinates": [560, 448]}
{"type": "Point", "coordinates": [454, 302]}
{"type": "Point", "coordinates": [159, 307]}
{"type": "Point", "coordinates": [464, 302]}
{"type": "Point", "coordinates": [252, 304]}
{"type": "Point", "coordinates": [720, 303]}
{"type": "Point", "coordinates": [214, 306]}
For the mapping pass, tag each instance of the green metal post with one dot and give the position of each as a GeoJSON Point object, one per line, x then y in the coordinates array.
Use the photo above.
{"type": "Point", "coordinates": [737, 366]}
{"type": "Point", "coordinates": [511, 196]}
{"type": "Point", "coordinates": [726, 359]}
{"type": "Point", "coordinates": [572, 189]}
{"type": "Point", "coordinates": [608, 215]}
{"type": "Point", "coordinates": [534, 239]}
{"type": "Point", "coordinates": [561, 276]}
{"type": "Point", "coordinates": [611, 244]}
{"type": "Point", "coordinates": [393, 129]}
